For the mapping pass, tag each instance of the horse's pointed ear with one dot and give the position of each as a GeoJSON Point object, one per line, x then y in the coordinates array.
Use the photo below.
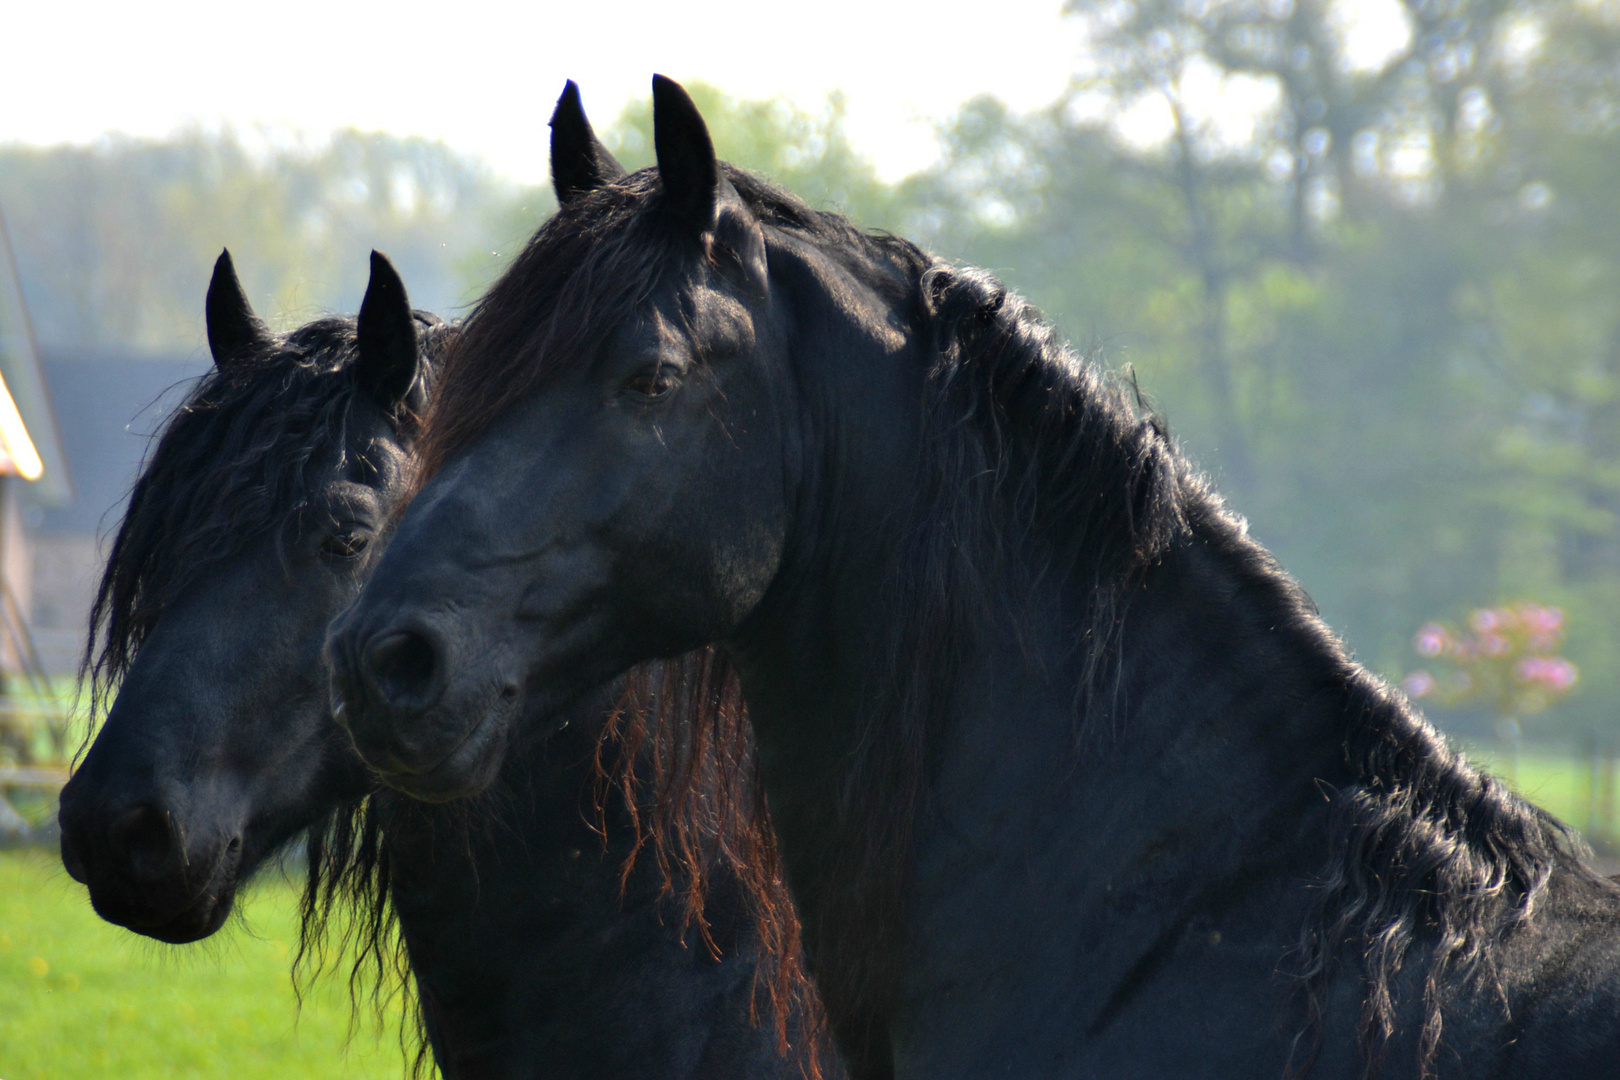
{"type": "Point", "coordinates": [694, 191]}
{"type": "Point", "coordinates": [386, 367]}
{"type": "Point", "coordinates": [233, 329]}
{"type": "Point", "coordinates": [686, 163]}
{"type": "Point", "coordinates": [579, 161]}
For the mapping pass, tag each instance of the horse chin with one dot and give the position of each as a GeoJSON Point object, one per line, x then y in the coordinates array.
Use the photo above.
{"type": "Point", "coordinates": [467, 770]}
{"type": "Point", "coordinates": [202, 917]}
{"type": "Point", "coordinates": [195, 924]}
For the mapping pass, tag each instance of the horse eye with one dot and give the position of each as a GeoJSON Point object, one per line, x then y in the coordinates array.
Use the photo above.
{"type": "Point", "coordinates": [654, 383]}
{"type": "Point", "coordinates": [345, 545]}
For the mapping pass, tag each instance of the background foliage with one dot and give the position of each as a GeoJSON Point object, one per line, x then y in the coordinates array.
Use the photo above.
{"type": "Point", "coordinates": [81, 999]}
{"type": "Point", "coordinates": [1382, 305]}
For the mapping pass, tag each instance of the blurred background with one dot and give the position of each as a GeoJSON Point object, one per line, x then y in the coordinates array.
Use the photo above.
{"type": "Point", "coordinates": [1363, 254]}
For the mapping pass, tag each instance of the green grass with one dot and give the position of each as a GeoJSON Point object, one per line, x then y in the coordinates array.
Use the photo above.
{"type": "Point", "coordinates": [1562, 783]}
{"type": "Point", "coordinates": [82, 998]}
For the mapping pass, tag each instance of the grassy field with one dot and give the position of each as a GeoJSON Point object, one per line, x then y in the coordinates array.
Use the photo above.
{"type": "Point", "coordinates": [82, 998]}
{"type": "Point", "coordinates": [1571, 788]}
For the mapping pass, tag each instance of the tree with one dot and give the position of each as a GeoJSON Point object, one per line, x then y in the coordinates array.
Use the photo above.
{"type": "Point", "coordinates": [116, 241]}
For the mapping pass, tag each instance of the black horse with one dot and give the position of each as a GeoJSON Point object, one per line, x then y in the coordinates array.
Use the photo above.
{"type": "Point", "coordinates": [537, 948]}
{"type": "Point", "coordinates": [1069, 777]}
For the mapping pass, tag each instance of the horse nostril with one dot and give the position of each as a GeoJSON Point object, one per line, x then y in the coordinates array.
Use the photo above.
{"type": "Point", "coordinates": [404, 668]}
{"type": "Point", "coordinates": [143, 838]}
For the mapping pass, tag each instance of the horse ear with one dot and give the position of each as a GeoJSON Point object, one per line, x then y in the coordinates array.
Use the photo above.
{"type": "Point", "coordinates": [579, 161]}
{"type": "Point", "coordinates": [686, 162]}
{"type": "Point", "coordinates": [233, 329]}
{"type": "Point", "coordinates": [386, 367]}
{"type": "Point", "coordinates": [694, 190]}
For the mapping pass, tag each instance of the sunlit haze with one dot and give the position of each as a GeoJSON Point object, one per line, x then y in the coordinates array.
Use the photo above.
{"type": "Point", "coordinates": [482, 74]}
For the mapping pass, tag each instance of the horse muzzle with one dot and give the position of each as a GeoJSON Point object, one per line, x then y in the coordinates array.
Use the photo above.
{"type": "Point", "coordinates": [144, 872]}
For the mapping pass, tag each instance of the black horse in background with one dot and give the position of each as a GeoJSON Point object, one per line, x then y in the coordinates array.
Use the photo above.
{"type": "Point", "coordinates": [536, 949]}
{"type": "Point", "coordinates": [1069, 777]}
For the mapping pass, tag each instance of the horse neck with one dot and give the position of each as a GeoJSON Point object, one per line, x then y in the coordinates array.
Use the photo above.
{"type": "Point", "coordinates": [526, 947]}
{"type": "Point", "coordinates": [1195, 773]}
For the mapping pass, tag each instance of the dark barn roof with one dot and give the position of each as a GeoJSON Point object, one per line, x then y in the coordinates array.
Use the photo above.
{"type": "Point", "coordinates": [107, 407]}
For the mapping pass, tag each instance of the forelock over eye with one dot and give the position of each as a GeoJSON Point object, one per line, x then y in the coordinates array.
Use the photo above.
{"type": "Point", "coordinates": [688, 304]}
{"type": "Point", "coordinates": [723, 326]}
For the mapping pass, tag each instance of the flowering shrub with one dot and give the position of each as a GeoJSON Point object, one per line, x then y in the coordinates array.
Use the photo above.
{"type": "Point", "coordinates": [1504, 658]}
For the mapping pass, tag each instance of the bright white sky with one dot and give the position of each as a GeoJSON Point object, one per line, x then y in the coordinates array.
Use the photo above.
{"type": "Point", "coordinates": [483, 74]}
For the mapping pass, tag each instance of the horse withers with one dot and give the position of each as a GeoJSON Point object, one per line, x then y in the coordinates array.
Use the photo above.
{"type": "Point", "coordinates": [535, 947]}
{"type": "Point", "coordinates": [1069, 777]}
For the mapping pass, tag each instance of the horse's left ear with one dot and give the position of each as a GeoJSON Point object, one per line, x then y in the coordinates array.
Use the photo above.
{"type": "Point", "coordinates": [695, 193]}
{"type": "Point", "coordinates": [233, 330]}
{"type": "Point", "coordinates": [386, 367]}
{"type": "Point", "coordinates": [579, 161]}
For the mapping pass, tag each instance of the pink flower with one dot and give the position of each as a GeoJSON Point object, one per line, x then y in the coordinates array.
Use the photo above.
{"type": "Point", "coordinates": [1561, 674]}
{"type": "Point", "coordinates": [1419, 684]}
{"type": "Point", "coordinates": [1494, 644]}
{"type": "Point", "coordinates": [1431, 640]}
{"type": "Point", "coordinates": [1485, 620]}
{"type": "Point", "coordinates": [1541, 621]}
{"type": "Point", "coordinates": [1553, 672]}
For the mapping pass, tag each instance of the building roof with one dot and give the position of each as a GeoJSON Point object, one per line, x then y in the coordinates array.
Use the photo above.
{"type": "Point", "coordinates": [25, 385]}
{"type": "Point", "coordinates": [18, 455]}
{"type": "Point", "coordinates": [108, 406]}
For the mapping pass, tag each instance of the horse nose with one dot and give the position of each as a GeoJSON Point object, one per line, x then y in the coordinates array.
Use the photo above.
{"type": "Point", "coordinates": [404, 669]}
{"type": "Point", "coordinates": [144, 840]}
{"type": "Point", "coordinates": [70, 820]}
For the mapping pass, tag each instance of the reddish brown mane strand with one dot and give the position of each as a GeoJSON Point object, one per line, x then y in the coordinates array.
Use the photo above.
{"type": "Point", "coordinates": [702, 808]}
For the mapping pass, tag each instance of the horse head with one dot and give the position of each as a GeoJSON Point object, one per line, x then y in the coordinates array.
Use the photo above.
{"type": "Point", "coordinates": [252, 524]}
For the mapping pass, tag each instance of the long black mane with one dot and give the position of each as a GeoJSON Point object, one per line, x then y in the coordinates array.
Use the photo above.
{"type": "Point", "coordinates": [1428, 861]}
{"type": "Point", "coordinates": [347, 873]}
{"type": "Point", "coordinates": [1424, 851]}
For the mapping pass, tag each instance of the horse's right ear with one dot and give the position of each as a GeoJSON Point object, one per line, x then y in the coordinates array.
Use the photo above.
{"type": "Point", "coordinates": [579, 161]}
{"type": "Point", "coordinates": [389, 354]}
{"type": "Point", "coordinates": [233, 329]}
{"type": "Point", "coordinates": [687, 167]}
{"type": "Point", "coordinates": [694, 191]}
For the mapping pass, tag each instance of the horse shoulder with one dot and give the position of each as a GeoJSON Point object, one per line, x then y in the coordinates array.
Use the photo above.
{"type": "Point", "coordinates": [1561, 972]}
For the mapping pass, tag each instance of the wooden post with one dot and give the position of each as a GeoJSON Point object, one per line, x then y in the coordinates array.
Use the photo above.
{"type": "Point", "coordinates": [1586, 765]}
{"type": "Point", "coordinates": [1605, 799]}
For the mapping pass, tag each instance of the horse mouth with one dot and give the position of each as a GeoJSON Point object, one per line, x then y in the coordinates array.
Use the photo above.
{"type": "Point", "coordinates": [200, 917]}
{"type": "Point", "coordinates": [200, 921]}
{"type": "Point", "coordinates": [465, 769]}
